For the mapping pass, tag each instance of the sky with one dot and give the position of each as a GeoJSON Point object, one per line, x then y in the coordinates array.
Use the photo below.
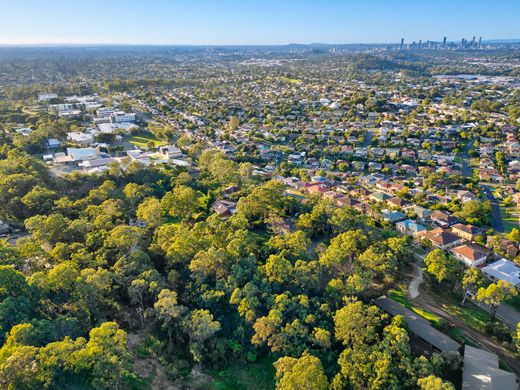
{"type": "Point", "coordinates": [232, 22]}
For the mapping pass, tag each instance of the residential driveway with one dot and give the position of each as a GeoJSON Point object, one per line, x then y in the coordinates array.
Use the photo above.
{"type": "Point", "coordinates": [496, 222]}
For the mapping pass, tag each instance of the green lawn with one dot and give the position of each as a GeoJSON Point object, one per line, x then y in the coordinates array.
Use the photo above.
{"type": "Point", "coordinates": [509, 220]}
{"type": "Point", "coordinates": [259, 375]}
{"type": "Point", "coordinates": [142, 140]}
{"type": "Point", "coordinates": [289, 80]}
{"type": "Point", "coordinates": [400, 295]}
{"type": "Point", "coordinates": [460, 336]}
{"type": "Point", "coordinates": [472, 315]}
{"type": "Point", "coordinates": [168, 219]}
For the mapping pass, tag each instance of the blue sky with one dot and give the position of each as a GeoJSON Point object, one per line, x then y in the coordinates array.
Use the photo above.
{"type": "Point", "coordinates": [211, 22]}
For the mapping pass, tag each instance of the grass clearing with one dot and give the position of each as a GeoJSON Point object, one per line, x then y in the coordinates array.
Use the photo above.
{"type": "Point", "coordinates": [142, 140]}
{"type": "Point", "coordinates": [509, 217]}
{"type": "Point", "coordinates": [461, 337]}
{"type": "Point", "coordinates": [289, 80]}
{"type": "Point", "coordinates": [259, 375]}
{"type": "Point", "coordinates": [472, 315]}
{"type": "Point", "coordinates": [168, 219]}
{"type": "Point", "coordinates": [400, 295]}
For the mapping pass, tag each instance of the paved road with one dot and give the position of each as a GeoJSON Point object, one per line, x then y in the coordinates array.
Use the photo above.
{"type": "Point", "coordinates": [496, 222]}
{"type": "Point", "coordinates": [368, 138]}
{"type": "Point", "coordinates": [486, 342]}
{"type": "Point", "coordinates": [466, 170]}
{"type": "Point", "coordinates": [508, 314]}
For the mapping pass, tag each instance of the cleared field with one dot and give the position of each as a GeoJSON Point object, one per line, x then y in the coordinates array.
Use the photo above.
{"type": "Point", "coordinates": [142, 141]}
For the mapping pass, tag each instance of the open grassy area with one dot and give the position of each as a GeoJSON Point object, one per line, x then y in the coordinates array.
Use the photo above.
{"type": "Point", "coordinates": [259, 375]}
{"type": "Point", "coordinates": [142, 140]}
{"type": "Point", "coordinates": [289, 80]}
{"type": "Point", "coordinates": [400, 295]}
{"type": "Point", "coordinates": [472, 315]}
{"type": "Point", "coordinates": [461, 337]}
{"type": "Point", "coordinates": [509, 217]}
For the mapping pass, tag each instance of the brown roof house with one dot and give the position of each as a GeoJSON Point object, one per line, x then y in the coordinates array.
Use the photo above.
{"type": "Point", "coordinates": [224, 208]}
{"type": "Point", "coordinates": [443, 239]}
{"type": "Point", "coordinates": [472, 255]}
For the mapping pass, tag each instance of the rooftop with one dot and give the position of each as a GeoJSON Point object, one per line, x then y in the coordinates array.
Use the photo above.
{"type": "Point", "coordinates": [504, 269]}
{"type": "Point", "coordinates": [418, 325]}
{"type": "Point", "coordinates": [481, 372]}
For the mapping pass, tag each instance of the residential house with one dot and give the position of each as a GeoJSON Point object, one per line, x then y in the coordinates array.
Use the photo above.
{"type": "Point", "coordinates": [409, 227]}
{"type": "Point", "coordinates": [506, 246]}
{"type": "Point", "coordinates": [421, 212]}
{"type": "Point", "coordinates": [472, 255]}
{"type": "Point", "coordinates": [346, 201]}
{"type": "Point", "coordinates": [443, 219]}
{"type": "Point", "coordinates": [442, 239]}
{"type": "Point", "coordinates": [379, 196]}
{"type": "Point", "coordinates": [53, 143]}
{"type": "Point", "coordinates": [225, 208]}
{"type": "Point", "coordinates": [392, 216]}
{"type": "Point", "coordinates": [467, 232]}
{"type": "Point", "coordinates": [317, 188]}
{"type": "Point", "coordinates": [399, 203]}
{"type": "Point", "coordinates": [170, 152]}
{"type": "Point", "coordinates": [465, 196]}
{"type": "Point", "coordinates": [503, 269]}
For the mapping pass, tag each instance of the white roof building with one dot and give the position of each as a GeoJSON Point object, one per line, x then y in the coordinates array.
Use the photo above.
{"type": "Point", "coordinates": [80, 138]}
{"type": "Point", "coordinates": [111, 127]}
{"type": "Point", "coordinates": [83, 154]}
{"type": "Point", "coordinates": [46, 96]}
{"type": "Point", "coordinates": [503, 269]}
{"type": "Point", "coordinates": [25, 131]}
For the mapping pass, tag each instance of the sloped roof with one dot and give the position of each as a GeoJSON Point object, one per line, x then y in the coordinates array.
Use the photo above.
{"type": "Point", "coordinates": [472, 252]}
{"type": "Point", "coordinates": [418, 325]}
{"type": "Point", "coordinates": [481, 372]}
{"type": "Point", "coordinates": [504, 269]}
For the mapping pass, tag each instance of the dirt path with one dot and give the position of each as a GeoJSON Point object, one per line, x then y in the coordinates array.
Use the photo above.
{"type": "Point", "coordinates": [149, 367]}
{"type": "Point", "coordinates": [413, 288]}
{"type": "Point", "coordinates": [424, 300]}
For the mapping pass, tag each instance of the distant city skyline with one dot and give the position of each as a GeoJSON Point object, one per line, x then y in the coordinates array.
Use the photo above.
{"type": "Point", "coordinates": [254, 22]}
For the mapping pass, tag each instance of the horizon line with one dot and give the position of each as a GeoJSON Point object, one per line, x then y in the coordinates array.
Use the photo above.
{"type": "Point", "coordinates": [69, 44]}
